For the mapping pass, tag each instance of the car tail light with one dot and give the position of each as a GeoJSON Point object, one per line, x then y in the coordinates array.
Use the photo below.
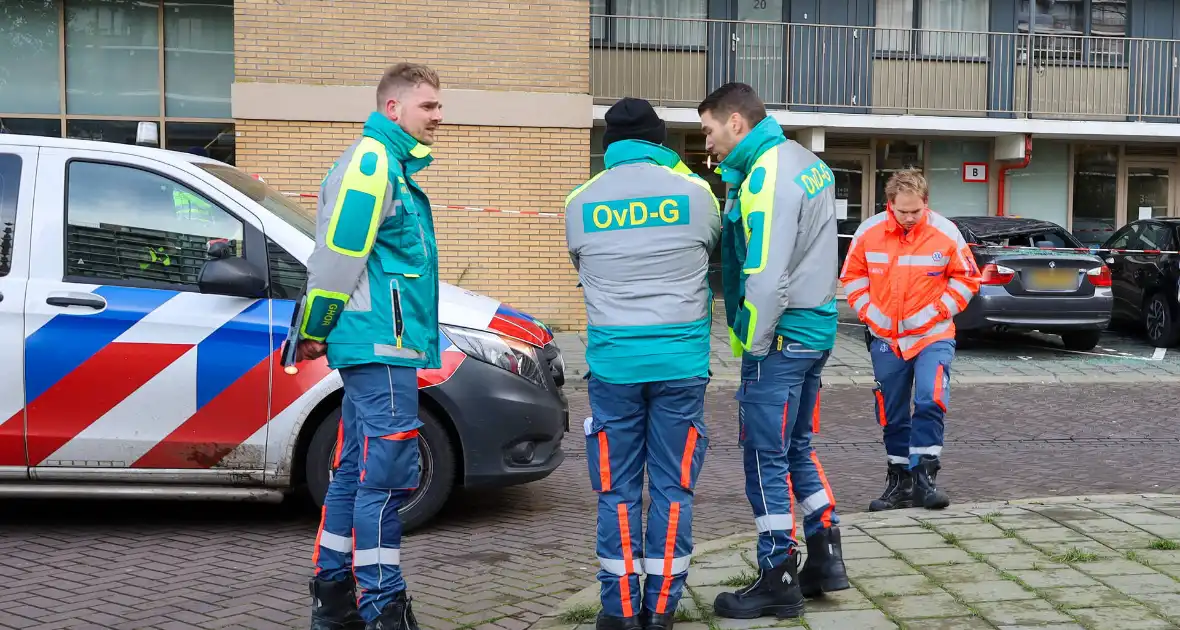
{"type": "Point", "coordinates": [1099, 276]}
{"type": "Point", "coordinates": [997, 274]}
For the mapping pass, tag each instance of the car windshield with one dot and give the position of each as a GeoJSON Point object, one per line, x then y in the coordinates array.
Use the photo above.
{"type": "Point", "coordinates": [284, 208]}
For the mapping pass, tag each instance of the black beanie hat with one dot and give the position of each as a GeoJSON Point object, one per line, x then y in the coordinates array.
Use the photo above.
{"type": "Point", "coordinates": [633, 119]}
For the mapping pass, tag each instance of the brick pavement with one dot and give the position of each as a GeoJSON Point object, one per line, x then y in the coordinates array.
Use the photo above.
{"type": "Point", "coordinates": [1102, 562]}
{"type": "Point", "coordinates": [502, 559]}
{"type": "Point", "coordinates": [1121, 357]}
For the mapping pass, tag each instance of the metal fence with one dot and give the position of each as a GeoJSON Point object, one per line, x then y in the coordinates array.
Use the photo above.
{"type": "Point", "coordinates": [857, 69]}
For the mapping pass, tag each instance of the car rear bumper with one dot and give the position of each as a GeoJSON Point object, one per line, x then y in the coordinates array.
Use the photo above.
{"type": "Point", "coordinates": [995, 307]}
{"type": "Point", "coordinates": [510, 429]}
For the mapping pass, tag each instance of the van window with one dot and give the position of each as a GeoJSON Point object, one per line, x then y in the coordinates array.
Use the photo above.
{"type": "Point", "coordinates": [9, 187]}
{"type": "Point", "coordinates": [287, 275]}
{"type": "Point", "coordinates": [125, 223]}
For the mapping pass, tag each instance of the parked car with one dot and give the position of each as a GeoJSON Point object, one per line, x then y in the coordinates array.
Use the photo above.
{"type": "Point", "coordinates": [1145, 285]}
{"type": "Point", "coordinates": [128, 373]}
{"type": "Point", "coordinates": [1028, 287]}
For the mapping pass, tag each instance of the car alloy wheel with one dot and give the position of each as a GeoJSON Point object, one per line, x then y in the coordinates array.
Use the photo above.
{"type": "Point", "coordinates": [1157, 319]}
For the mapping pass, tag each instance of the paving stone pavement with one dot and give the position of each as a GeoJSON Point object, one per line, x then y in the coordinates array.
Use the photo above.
{"type": "Point", "coordinates": [1121, 357]}
{"type": "Point", "coordinates": [1094, 562]}
{"type": "Point", "coordinates": [500, 559]}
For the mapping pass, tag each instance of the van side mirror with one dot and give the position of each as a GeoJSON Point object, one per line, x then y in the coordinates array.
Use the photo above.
{"type": "Point", "coordinates": [232, 276]}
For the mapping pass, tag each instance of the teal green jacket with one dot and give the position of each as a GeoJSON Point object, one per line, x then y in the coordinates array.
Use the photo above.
{"type": "Point", "coordinates": [778, 245]}
{"type": "Point", "coordinates": [639, 234]}
{"type": "Point", "coordinates": [372, 279]}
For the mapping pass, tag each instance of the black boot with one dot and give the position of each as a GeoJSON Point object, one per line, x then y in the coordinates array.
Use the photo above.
{"type": "Point", "coordinates": [397, 615]}
{"type": "Point", "coordinates": [926, 494]}
{"type": "Point", "coordinates": [610, 622]}
{"type": "Point", "coordinates": [899, 490]}
{"type": "Point", "coordinates": [333, 605]}
{"type": "Point", "coordinates": [824, 569]}
{"type": "Point", "coordinates": [652, 621]}
{"type": "Point", "coordinates": [776, 592]}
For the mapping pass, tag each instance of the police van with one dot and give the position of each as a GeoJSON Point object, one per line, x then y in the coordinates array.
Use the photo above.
{"type": "Point", "coordinates": [144, 298]}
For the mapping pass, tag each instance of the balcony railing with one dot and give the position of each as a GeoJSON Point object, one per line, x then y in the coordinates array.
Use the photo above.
{"type": "Point", "coordinates": [855, 69]}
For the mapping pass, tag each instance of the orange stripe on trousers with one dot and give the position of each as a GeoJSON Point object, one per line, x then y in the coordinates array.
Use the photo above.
{"type": "Point", "coordinates": [669, 556]}
{"type": "Point", "coordinates": [815, 414]}
{"type": "Point", "coordinates": [628, 561]}
{"type": "Point", "coordinates": [826, 517]}
{"type": "Point", "coordinates": [938, 389]}
{"type": "Point", "coordinates": [603, 462]}
{"type": "Point", "coordinates": [880, 407]}
{"type": "Point", "coordinates": [686, 461]}
{"type": "Point", "coordinates": [315, 555]}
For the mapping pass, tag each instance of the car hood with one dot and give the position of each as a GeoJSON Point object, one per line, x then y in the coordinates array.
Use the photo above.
{"type": "Point", "coordinates": [467, 309]}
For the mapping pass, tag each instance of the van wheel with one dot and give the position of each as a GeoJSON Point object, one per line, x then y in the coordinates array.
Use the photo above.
{"type": "Point", "coordinates": [436, 454]}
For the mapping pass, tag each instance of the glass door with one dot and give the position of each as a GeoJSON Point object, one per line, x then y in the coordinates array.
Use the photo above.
{"type": "Point", "coordinates": [851, 196]}
{"type": "Point", "coordinates": [1149, 191]}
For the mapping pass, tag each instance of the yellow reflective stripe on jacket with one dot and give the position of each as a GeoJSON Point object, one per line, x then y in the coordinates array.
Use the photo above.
{"type": "Point", "coordinates": [362, 192]}
{"type": "Point", "coordinates": [757, 202]}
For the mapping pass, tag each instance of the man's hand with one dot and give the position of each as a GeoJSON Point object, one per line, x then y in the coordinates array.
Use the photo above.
{"type": "Point", "coordinates": [310, 350]}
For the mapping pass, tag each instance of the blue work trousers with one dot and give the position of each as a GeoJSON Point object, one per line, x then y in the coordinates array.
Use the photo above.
{"type": "Point", "coordinates": [375, 470]}
{"type": "Point", "coordinates": [660, 426]}
{"type": "Point", "coordinates": [927, 377]}
{"type": "Point", "coordinates": [778, 412]}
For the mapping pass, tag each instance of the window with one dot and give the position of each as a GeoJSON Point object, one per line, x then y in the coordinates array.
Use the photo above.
{"type": "Point", "coordinates": [946, 28]}
{"type": "Point", "coordinates": [9, 187]}
{"type": "Point", "coordinates": [1065, 29]}
{"type": "Point", "coordinates": [112, 58]}
{"type": "Point", "coordinates": [29, 58]}
{"type": "Point", "coordinates": [288, 276]}
{"type": "Point", "coordinates": [267, 197]}
{"type": "Point", "coordinates": [198, 58]}
{"type": "Point", "coordinates": [124, 223]}
{"type": "Point", "coordinates": [640, 23]}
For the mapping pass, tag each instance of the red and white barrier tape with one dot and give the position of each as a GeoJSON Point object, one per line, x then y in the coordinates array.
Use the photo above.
{"type": "Point", "coordinates": [534, 213]}
{"type": "Point", "coordinates": [529, 213]}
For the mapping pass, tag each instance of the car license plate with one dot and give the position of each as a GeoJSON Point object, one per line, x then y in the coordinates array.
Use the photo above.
{"type": "Point", "coordinates": [1053, 279]}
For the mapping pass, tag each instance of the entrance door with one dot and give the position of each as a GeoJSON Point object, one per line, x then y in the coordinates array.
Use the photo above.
{"type": "Point", "coordinates": [1149, 191]}
{"type": "Point", "coordinates": [760, 47]}
{"type": "Point", "coordinates": [851, 196]}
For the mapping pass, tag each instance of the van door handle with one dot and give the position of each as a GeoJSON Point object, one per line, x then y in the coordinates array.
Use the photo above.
{"type": "Point", "coordinates": [96, 302]}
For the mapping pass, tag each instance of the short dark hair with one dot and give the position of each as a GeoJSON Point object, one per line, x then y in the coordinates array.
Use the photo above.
{"type": "Point", "coordinates": [734, 97]}
{"type": "Point", "coordinates": [402, 76]}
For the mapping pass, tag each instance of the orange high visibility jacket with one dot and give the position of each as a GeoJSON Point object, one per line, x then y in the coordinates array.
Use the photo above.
{"type": "Point", "coordinates": [907, 287]}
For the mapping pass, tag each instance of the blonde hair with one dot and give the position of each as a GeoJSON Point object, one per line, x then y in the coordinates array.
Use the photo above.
{"type": "Point", "coordinates": [910, 180]}
{"type": "Point", "coordinates": [404, 76]}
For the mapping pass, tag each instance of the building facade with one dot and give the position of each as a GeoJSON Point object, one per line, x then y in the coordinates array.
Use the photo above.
{"type": "Point", "coordinates": [1065, 110]}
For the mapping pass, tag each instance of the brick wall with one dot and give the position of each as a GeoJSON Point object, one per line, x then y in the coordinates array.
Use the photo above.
{"type": "Point", "coordinates": [496, 44]}
{"type": "Point", "coordinates": [521, 260]}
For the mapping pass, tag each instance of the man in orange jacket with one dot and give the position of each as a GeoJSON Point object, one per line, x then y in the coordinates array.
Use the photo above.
{"type": "Point", "coordinates": [907, 274]}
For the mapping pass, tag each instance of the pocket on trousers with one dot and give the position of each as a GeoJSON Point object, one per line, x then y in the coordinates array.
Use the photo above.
{"type": "Point", "coordinates": [942, 386]}
{"type": "Point", "coordinates": [597, 454]}
{"type": "Point", "coordinates": [879, 404]}
{"type": "Point", "coordinates": [391, 462]}
{"type": "Point", "coordinates": [762, 427]}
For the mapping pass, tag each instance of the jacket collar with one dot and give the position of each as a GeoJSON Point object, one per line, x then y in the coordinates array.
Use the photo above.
{"type": "Point", "coordinates": [761, 138]}
{"type": "Point", "coordinates": [893, 225]}
{"type": "Point", "coordinates": [631, 151]}
{"type": "Point", "coordinates": [413, 155]}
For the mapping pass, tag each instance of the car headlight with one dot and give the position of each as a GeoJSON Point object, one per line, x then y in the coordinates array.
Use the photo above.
{"type": "Point", "coordinates": [510, 354]}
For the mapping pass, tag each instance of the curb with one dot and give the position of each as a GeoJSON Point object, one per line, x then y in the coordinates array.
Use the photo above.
{"type": "Point", "coordinates": [589, 596]}
{"type": "Point", "coordinates": [576, 382]}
